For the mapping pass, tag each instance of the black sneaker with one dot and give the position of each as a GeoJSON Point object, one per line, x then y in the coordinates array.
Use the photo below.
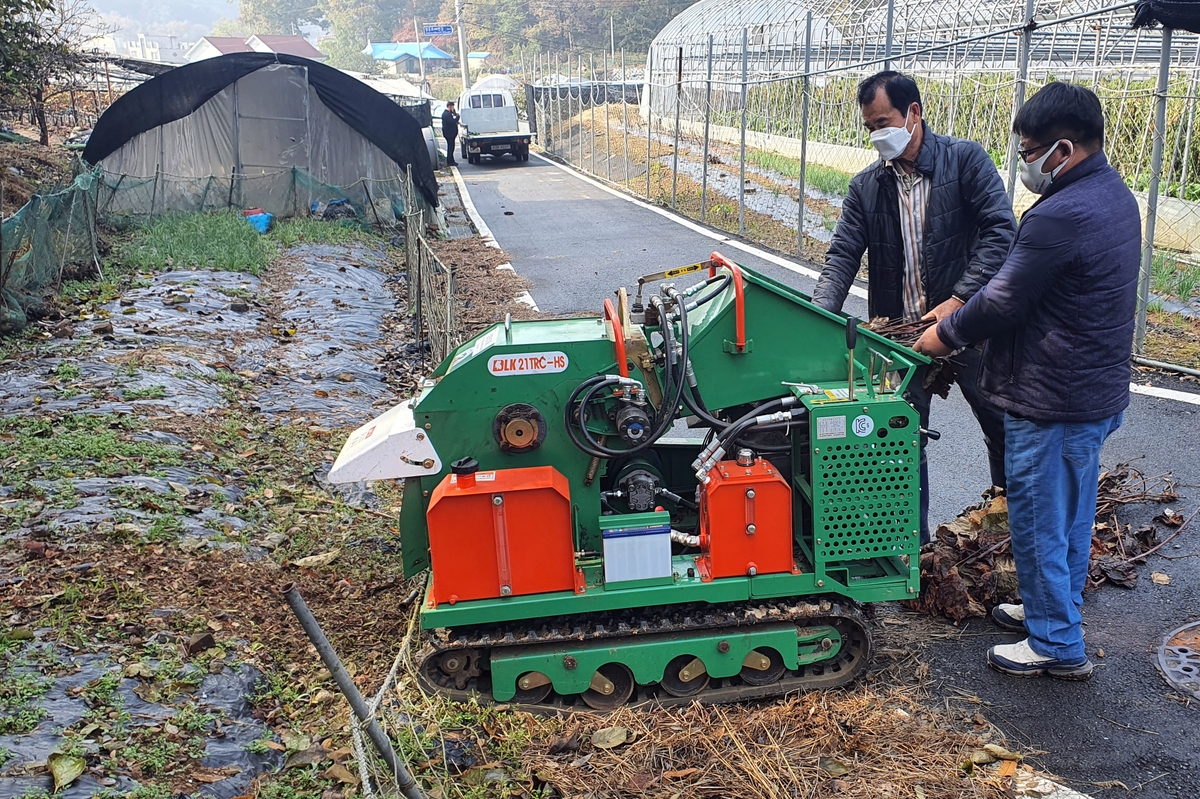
{"type": "Point", "coordinates": [1019, 660]}
{"type": "Point", "coordinates": [1010, 617]}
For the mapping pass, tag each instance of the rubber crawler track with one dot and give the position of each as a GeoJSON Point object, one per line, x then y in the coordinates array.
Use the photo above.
{"type": "Point", "coordinates": [478, 643]}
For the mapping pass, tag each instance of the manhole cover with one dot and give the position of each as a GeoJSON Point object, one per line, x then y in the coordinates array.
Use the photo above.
{"type": "Point", "coordinates": [1179, 659]}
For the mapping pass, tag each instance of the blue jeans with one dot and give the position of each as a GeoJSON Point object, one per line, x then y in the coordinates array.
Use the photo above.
{"type": "Point", "coordinates": [1052, 470]}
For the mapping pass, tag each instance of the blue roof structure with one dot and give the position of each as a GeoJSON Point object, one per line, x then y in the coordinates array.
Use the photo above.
{"type": "Point", "coordinates": [393, 51]}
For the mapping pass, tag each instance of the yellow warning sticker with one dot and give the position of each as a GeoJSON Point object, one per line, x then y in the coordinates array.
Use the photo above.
{"type": "Point", "coordinates": [685, 270]}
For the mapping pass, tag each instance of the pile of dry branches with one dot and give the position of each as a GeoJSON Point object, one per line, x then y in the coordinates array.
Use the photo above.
{"type": "Point", "coordinates": [969, 568]}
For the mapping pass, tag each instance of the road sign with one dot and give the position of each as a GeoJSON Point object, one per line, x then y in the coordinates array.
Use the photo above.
{"type": "Point", "coordinates": [438, 30]}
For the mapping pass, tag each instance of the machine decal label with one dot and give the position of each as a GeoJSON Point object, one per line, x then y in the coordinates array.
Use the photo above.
{"type": "Point", "coordinates": [480, 477]}
{"type": "Point", "coordinates": [530, 363]}
{"type": "Point", "coordinates": [831, 427]}
{"type": "Point", "coordinates": [863, 426]}
{"type": "Point", "coordinates": [479, 346]}
{"type": "Point", "coordinates": [837, 393]}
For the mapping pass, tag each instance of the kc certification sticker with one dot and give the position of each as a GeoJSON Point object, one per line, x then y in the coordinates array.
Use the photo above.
{"type": "Point", "coordinates": [863, 426]}
{"type": "Point", "coordinates": [528, 363]}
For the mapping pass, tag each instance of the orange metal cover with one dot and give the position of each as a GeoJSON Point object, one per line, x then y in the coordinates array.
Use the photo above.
{"type": "Point", "coordinates": [483, 549]}
{"type": "Point", "coordinates": [746, 520]}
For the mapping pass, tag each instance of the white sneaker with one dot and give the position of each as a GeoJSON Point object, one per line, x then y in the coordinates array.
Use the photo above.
{"type": "Point", "coordinates": [1010, 617]}
{"type": "Point", "coordinates": [1020, 660]}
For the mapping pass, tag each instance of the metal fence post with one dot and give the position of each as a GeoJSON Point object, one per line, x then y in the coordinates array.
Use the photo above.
{"type": "Point", "coordinates": [649, 113]}
{"type": "Point", "coordinates": [887, 51]}
{"type": "Point", "coordinates": [580, 162]}
{"type": "Point", "coordinates": [592, 103]}
{"type": "Point", "coordinates": [707, 118]}
{"type": "Point", "coordinates": [607, 122]}
{"type": "Point", "coordinates": [804, 131]}
{"type": "Point", "coordinates": [625, 119]}
{"type": "Point", "coordinates": [678, 102]}
{"type": "Point", "coordinates": [1019, 95]}
{"type": "Point", "coordinates": [742, 157]}
{"type": "Point", "coordinates": [1160, 121]}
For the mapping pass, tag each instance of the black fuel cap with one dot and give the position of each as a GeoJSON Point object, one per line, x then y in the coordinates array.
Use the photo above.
{"type": "Point", "coordinates": [464, 466]}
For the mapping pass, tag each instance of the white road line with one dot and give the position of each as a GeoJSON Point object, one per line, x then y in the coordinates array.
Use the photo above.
{"type": "Point", "coordinates": [484, 231]}
{"type": "Point", "coordinates": [1165, 393]}
{"type": "Point", "coordinates": [769, 257]}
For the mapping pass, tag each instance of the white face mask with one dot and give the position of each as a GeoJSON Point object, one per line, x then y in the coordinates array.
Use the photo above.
{"type": "Point", "coordinates": [1032, 175]}
{"type": "Point", "coordinates": [891, 142]}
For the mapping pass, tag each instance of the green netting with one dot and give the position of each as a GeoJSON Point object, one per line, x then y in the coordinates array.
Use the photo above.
{"type": "Point", "coordinates": [51, 234]}
{"type": "Point", "coordinates": [55, 234]}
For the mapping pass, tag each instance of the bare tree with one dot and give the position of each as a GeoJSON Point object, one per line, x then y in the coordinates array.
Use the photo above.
{"type": "Point", "coordinates": [49, 61]}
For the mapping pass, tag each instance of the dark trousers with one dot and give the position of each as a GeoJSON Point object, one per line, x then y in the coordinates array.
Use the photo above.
{"type": "Point", "coordinates": [450, 148]}
{"type": "Point", "coordinates": [990, 418]}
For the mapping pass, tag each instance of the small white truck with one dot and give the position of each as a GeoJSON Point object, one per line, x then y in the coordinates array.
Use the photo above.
{"type": "Point", "coordinates": [490, 126]}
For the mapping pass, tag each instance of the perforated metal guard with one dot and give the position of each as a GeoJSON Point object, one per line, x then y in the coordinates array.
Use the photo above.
{"type": "Point", "coordinates": [866, 499]}
{"type": "Point", "coordinates": [1179, 659]}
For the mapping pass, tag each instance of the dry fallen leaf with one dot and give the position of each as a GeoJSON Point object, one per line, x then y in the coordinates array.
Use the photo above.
{"type": "Point", "coordinates": [609, 737]}
{"type": "Point", "coordinates": [341, 774]}
{"type": "Point", "coordinates": [679, 775]}
{"type": "Point", "coordinates": [1008, 768]}
{"type": "Point", "coordinates": [316, 561]}
{"type": "Point", "coordinates": [1158, 578]}
{"type": "Point", "coordinates": [1000, 753]}
{"type": "Point", "coordinates": [834, 767]}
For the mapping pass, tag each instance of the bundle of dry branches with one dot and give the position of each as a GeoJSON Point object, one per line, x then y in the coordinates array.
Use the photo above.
{"type": "Point", "coordinates": [969, 566]}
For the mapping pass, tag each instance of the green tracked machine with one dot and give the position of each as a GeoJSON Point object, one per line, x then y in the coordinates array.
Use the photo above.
{"type": "Point", "coordinates": [689, 498]}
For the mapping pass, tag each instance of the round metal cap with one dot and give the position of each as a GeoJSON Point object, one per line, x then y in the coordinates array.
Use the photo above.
{"type": "Point", "coordinates": [1179, 659]}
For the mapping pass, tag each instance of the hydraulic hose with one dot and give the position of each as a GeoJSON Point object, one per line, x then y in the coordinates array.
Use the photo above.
{"type": "Point", "coordinates": [673, 391]}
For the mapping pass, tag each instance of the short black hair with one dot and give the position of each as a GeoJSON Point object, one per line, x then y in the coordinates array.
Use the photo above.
{"type": "Point", "coordinates": [901, 90]}
{"type": "Point", "coordinates": [1062, 111]}
{"type": "Point", "coordinates": [449, 103]}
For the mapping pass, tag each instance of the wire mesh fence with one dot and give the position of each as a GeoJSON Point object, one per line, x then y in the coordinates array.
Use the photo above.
{"type": "Point", "coordinates": [431, 287]}
{"type": "Point", "coordinates": [731, 123]}
{"type": "Point", "coordinates": [57, 233]}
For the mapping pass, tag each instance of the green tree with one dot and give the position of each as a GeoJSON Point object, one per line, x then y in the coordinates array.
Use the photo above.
{"type": "Point", "coordinates": [278, 16]}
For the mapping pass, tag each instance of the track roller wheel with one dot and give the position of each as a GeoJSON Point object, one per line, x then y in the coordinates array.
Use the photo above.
{"type": "Point", "coordinates": [532, 687]}
{"type": "Point", "coordinates": [685, 676]}
{"type": "Point", "coordinates": [612, 686]}
{"type": "Point", "coordinates": [767, 668]}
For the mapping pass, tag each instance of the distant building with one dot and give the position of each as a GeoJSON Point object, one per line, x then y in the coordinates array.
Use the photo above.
{"type": "Point", "coordinates": [213, 46]}
{"type": "Point", "coordinates": [402, 57]}
{"type": "Point", "coordinates": [143, 47]}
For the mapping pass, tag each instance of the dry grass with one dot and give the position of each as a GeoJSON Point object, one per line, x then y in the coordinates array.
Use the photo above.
{"type": "Point", "coordinates": [1173, 338]}
{"type": "Point", "coordinates": [878, 738]}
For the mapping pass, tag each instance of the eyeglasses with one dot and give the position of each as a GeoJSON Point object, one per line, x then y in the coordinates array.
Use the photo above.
{"type": "Point", "coordinates": [1024, 154]}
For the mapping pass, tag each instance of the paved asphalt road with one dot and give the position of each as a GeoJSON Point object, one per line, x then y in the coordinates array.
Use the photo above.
{"type": "Point", "coordinates": [577, 243]}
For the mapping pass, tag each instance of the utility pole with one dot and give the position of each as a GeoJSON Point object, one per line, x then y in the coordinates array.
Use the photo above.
{"type": "Point", "coordinates": [462, 45]}
{"type": "Point", "coordinates": [612, 37]}
{"type": "Point", "coordinates": [420, 47]}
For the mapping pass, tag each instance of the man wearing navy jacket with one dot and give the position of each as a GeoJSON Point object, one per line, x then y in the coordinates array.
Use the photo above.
{"type": "Point", "coordinates": [1058, 319]}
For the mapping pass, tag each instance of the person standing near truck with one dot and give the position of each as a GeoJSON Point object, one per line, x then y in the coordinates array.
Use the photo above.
{"type": "Point", "coordinates": [450, 131]}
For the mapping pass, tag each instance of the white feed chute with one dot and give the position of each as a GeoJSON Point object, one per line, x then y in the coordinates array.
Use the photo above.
{"type": "Point", "coordinates": [390, 447]}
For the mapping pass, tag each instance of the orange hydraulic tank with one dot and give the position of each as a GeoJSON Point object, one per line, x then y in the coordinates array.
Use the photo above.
{"type": "Point", "coordinates": [746, 520]}
{"type": "Point", "coordinates": [501, 533]}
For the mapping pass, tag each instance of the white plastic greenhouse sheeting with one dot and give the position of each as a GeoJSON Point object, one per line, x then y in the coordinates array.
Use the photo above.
{"type": "Point", "coordinates": [264, 124]}
{"type": "Point", "coordinates": [1178, 225]}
